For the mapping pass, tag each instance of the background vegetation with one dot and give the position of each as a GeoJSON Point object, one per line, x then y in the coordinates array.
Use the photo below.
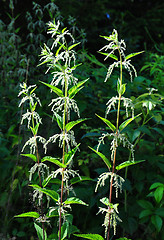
{"type": "Point", "coordinates": [22, 32]}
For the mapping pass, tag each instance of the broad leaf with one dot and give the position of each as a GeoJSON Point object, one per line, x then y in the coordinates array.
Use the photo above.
{"type": "Point", "coordinates": [132, 55]}
{"type": "Point", "coordinates": [64, 230]}
{"type": "Point", "coordinates": [29, 214]}
{"type": "Point", "coordinates": [126, 122]}
{"type": "Point", "coordinates": [103, 157]}
{"type": "Point", "coordinates": [32, 156]}
{"type": "Point", "coordinates": [109, 124]}
{"type": "Point", "coordinates": [53, 160]}
{"type": "Point", "coordinates": [39, 231]}
{"type": "Point", "coordinates": [75, 89]}
{"type": "Point", "coordinates": [145, 213]}
{"type": "Point", "coordinates": [157, 222]}
{"type": "Point", "coordinates": [54, 89]}
{"type": "Point", "coordinates": [69, 156]}
{"type": "Point", "coordinates": [127, 164]}
{"type": "Point", "coordinates": [155, 185]}
{"type": "Point", "coordinates": [74, 200]}
{"type": "Point", "coordinates": [90, 236]}
{"type": "Point", "coordinates": [145, 204]}
{"type": "Point", "coordinates": [70, 125]}
{"type": "Point", "coordinates": [158, 194]}
{"type": "Point", "coordinates": [51, 193]}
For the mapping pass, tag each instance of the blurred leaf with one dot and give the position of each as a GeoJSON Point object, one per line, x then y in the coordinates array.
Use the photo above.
{"type": "Point", "coordinates": [29, 214]}
{"type": "Point", "coordinates": [158, 194]}
{"type": "Point", "coordinates": [70, 125]}
{"type": "Point", "coordinates": [145, 204]}
{"type": "Point", "coordinates": [103, 157]}
{"type": "Point", "coordinates": [127, 164]}
{"type": "Point", "coordinates": [39, 231]}
{"type": "Point", "coordinates": [53, 160]}
{"type": "Point", "coordinates": [74, 200]}
{"type": "Point", "coordinates": [145, 213]}
{"type": "Point", "coordinates": [133, 54]}
{"type": "Point", "coordinates": [157, 222]}
{"type": "Point", "coordinates": [32, 156]}
{"type": "Point", "coordinates": [90, 236]}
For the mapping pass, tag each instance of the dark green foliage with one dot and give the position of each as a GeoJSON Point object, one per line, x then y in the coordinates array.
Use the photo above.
{"type": "Point", "coordinates": [22, 33]}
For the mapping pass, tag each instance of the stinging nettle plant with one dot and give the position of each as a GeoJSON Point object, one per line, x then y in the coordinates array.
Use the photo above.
{"type": "Point", "coordinates": [61, 61]}
{"type": "Point", "coordinates": [115, 49]}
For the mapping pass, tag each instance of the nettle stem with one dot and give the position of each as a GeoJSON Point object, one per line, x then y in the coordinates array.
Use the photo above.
{"type": "Point", "coordinates": [117, 127]}
{"type": "Point", "coordinates": [64, 132]}
{"type": "Point", "coordinates": [39, 174]}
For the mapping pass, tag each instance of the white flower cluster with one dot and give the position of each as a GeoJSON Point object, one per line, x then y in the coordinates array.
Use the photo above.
{"type": "Point", "coordinates": [32, 143]}
{"type": "Point", "coordinates": [29, 115]}
{"type": "Point", "coordinates": [42, 169]}
{"type": "Point", "coordinates": [58, 104]}
{"type": "Point", "coordinates": [67, 137]}
{"type": "Point", "coordinates": [116, 180]}
{"type": "Point", "coordinates": [111, 217]}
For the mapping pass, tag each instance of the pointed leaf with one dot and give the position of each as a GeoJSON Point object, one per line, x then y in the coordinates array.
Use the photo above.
{"type": "Point", "coordinates": [75, 89]}
{"type": "Point", "coordinates": [155, 185]}
{"type": "Point", "coordinates": [70, 125]}
{"type": "Point", "coordinates": [64, 230]}
{"type": "Point", "coordinates": [145, 204]}
{"type": "Point", "coordinates": [74, 200]}
{"type": "Point", "coordinates": [54, 89]}
{"type": "Point", "coordinates": [59, 120]}
{"type": "Point", "coordinates": [51, 193]}
{"type": "Point", "coordinates": [132, 55]}
{"type": "Point", "coordinates": [32, 156]}
{"type": "Point", "coordinates": [39, 231]}
{"type": "Point", "coordinates": [69, 156]}
{"type": "Point", "coordinates": [126, 122]}
{"type": "Point", "coordinates": [157, 222]}
{"type": "Point", "coordinates": [90, 236]}
{"type": "Point", "coordinates": [53, 160]}
{"type": "Point", "coordinates": [158, 194]}
{"type": "Point", "coordinates": [145, 213]}
{"type": "Point", "coordinates": [127, 164]}
{"type": "Point", "coordinates": [29, 214]}
{"type": "Point", "coordinates": [109, 55]}
{"type": "Point", "coordinates": [82, 178]}
{"type": "Point", "coordinates": [74, 45]}
{"type": "Point", "coordinates": [109, 124]}
{"type": "Point", "coordinates": [104, 158]}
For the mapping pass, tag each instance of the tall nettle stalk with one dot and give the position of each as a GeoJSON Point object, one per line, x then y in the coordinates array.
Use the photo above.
{"type": "Point", "coordinates": [117, 135]}
{"type": "Point", "coordinates": [61, 62]}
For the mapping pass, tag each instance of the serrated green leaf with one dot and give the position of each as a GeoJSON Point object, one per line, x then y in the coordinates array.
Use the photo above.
{"type": "Point", "coordinates": [68, 157]}
{"type": "Point", "coordinates": [39, 231]}
{"type": "Point", "coordinates": [126, 122]}
{"type": "Point", "coordinates": [157, 222]}
{"type": "Point", "coordinates": [53, 160]}
{"type": "Point", "coordinates": [32, 156]}
{"type": "Point", "coordinates": [90, 236]}
{"type": "Point", "coordinates": [109, 124]}
{"type": "Point", "coordinates": [109, 55]}
{"type": "Point", "coordinates": [70, 125]}
{"type": "Point", "coordinates": [51, 193]}
{"type": "Point", "coordinates": [132, 55]}
{"type": "Point", "coordinates": [145, 213]}
{"type": "Point", "coordinates": [158, 194]}
{"type": "Point", "coordinates": [74, 45]}
{"type": "Point", "coordinates": [105, 201]}
{"type": "Point", "coordinates": [82, 178]}
{"type": "Point", "coordinates": [64, 230]}
{"type": "Point", "coordinates": [54, 89]}
{"type": "Point", "coordinates": [29, 214]}
{"type": "Point", "coordinates": [74, 200]}
{"type": "Point", "coordinates": [145, 204]}
{"type": "Point", "coordinates": [75, 89]}
{"type": "Point", "coordinates": [103, 157]}
{"type": "Point", "coordinates": [127, 164]}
